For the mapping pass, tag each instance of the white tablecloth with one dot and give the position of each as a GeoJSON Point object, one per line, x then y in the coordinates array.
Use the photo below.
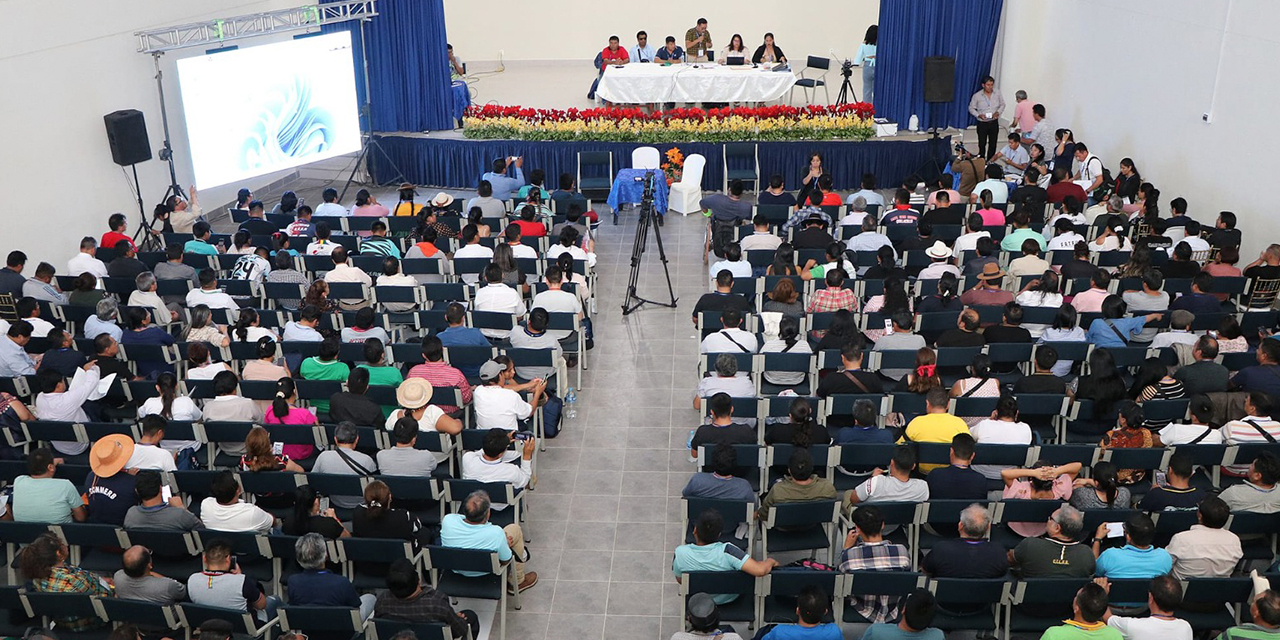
{"type": "Point", "coordinates": [642, 83]}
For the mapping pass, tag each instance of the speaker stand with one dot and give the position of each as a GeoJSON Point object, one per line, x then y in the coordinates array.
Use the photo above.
{"type": "Point", "coordinates": [146, 228]}
{"type": "Point", "coordinates": [371, 142]}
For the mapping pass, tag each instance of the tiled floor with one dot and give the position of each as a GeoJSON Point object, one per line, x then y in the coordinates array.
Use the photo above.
{"type": "Point", "coordinates": [605, 517]}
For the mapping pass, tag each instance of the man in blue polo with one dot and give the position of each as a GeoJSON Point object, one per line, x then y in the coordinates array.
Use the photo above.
{"type": "Point", "coordinates": [707, 553]}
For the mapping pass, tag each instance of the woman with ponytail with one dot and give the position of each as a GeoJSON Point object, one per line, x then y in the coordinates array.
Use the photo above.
{"type": "Point", "coordinates": [264, 368]}
{"type": "Point", "coordinates": [789, 340]}
{"type": "Point", "coordinates": [802, 431]}
{"type": "Point", "coordinates": [283, 411]}
{"type": "Point", "coordinates": [1101, 490]}
{"type": "Point", "coordinates": [171, 406]}
{"type": "Point", "coordinates": [248, 327]}
{"type": "Point", "coordinates": [308, 518]}
{"type": "Point", "coordinates": [925, 376]}
{"type": "Point", "coordinates": [376, 518]}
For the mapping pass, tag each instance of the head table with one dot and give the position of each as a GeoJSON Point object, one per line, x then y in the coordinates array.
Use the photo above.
{"type": "Point", "coordinates": [647, 83]}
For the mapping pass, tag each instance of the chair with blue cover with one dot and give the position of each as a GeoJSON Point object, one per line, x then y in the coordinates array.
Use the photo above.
{"type": "Point", "coordinates": [809, 85]}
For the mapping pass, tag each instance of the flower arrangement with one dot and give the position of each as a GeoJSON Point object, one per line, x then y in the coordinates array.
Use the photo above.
{"type": "Point", "coordinates": [674, 166]}
{"type": "Point", "coordinates": [632, 124]}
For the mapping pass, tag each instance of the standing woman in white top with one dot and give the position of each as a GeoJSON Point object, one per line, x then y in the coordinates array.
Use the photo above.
{"type": "Point", "coordinates": [735, 50]}
{"type": "Point", "coordinates": [866, 59]}
{"type": "Point", "coordinates": [171, 406]}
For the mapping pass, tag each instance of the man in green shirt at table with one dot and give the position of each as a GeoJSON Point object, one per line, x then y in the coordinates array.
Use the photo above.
{"type": "Point", "coordinates": [1086, 623]}
{"type": "Point", "coordinates": [697, 42]}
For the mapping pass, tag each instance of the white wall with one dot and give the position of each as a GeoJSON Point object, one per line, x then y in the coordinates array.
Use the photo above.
{"type": "Point", "coordinates": [66, 65]}
{"type": "Point", "coordinates": [579, 29]}
{"type": "Point", "coordinates": [1133, 79]}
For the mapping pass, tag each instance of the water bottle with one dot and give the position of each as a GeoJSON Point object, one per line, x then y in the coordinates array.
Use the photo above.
{"type": "Point", "coordinates": [571, 404]}
{"type": "Point", "coordinates": [914, 123]}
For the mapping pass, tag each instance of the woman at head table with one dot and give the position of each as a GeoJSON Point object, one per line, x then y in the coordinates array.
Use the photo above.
{"type": "Point", "coordinates": [736, 51]}
{"type": "Point", "coordinates": [768, 52]}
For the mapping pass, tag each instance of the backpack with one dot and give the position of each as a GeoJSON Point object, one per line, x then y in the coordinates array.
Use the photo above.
{"type": "Point", "coordinates": [1108, 182]}
{"type": "Point", "coordinates": [722, 234]}
{"type": "Point", "coordinates": [551, 416]}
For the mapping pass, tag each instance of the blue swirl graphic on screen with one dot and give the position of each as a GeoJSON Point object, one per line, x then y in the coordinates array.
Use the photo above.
{"type": "Point", "coordinates": [286, 125]}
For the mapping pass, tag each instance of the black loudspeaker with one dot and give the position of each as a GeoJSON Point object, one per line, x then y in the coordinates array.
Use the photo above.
{"type": "Point", "coordinates": [939, 79]}
{"type": "Point", "coordinates": [127, 135]}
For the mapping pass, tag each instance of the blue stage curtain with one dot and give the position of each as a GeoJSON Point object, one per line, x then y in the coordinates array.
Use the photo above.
{"type": "Point", "coordinates": [912, 30]}
{"type": "Point", "coordinates": [458, 164]}
{"type": "Point", "coordinates": [409, 80]}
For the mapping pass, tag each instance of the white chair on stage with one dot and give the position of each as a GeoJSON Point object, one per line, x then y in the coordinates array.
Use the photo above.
{"type": "Point", "coordinates": [646, 158]}
{"type": "Point", "coordinates": [687, 193]}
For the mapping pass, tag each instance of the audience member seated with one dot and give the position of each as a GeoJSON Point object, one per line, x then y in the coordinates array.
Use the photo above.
{"type": "Point", "coordinates": [1176, 493]}
{"type": "Point", "coordinates": [1257, 494]}
{"type": "Point", "coordinates": [798, 485]}
{"type": "Point", "coordinates": [1105, 387]}
{"type": "Point", "coordinates": [1101, 490]}
{"type": "Point", "coordinates": [439, 373]}
{"type": "Point", "coordinates": [222, 584]}
{"type": "Point", "coordinates": [958, 480]}
{"type": "Point", "coordinates": [895, 486]}
{"type": "Point", "coordinates": [720, 483]}
{"type": "Point", "coordinates": [353, 405]}
{"type": "Point", "coordinates": [1130, 433]}
{"type": "Point", "coordinates": [870, 239]}
{"type": "Point", "coordinates": [1056, 553]}
{"type": "Point", "coordinates": [722, 428]}
{"type": "Point", "coordinates": [733, 262]}
{"type": "Point", "coordinates": [731, 338]}
{"type": "Point", "coordinates": [471, 529]}
{"type": "Point", "coordinates": [498, 402]}
{"type": "Point", "coordinates": [496, 296]}
{"type": "Point", "coordinates": [1199, 301]}
{"type": "Point", "coordinates": [209, 294]}
{"type": "Point", "coordinates": [62, 355]}
{"type": "Point", "coordinates": [901, 339]}
{"type": "Point", "coordinates": [414, 397]}
{"type": "Point", "coordinates": [315, 586]}
{"type": "Point", "coordinates": [965, 334]}
{"type": "Point", "coordinates": [154, 513]}
{"type": "Point", "coordinates": [407, 599]}
{"type": "Point", "coordinates": [802, 430]}
{"type": "Point", "coordinates": [1138, 558]}
{"type": "Point", "coordinates": [1207, 549]}
{"type": "Point", "coordinates": [936, 425]}
{"type": "Point", "coordinates": [364, 328]}
{"type": "Point", "coordinates": [45, 565]}
{"type": "Point", "coordinates": [343, 459]}
{"type": "Point", "coordinates": [1264, 611]}
{"type": "Point", "coordinates": [534, 335]}
{"type": "Point", "coordinates": [971, 555]}
{"type": "Point", "coordinates": [62, 402]}
{"type": "Point", "coordinates": [722, 298]}
{"type": "Point", "coordinates": [40, 497]}
{"type": "Point", "coordinates": [724, 379]}
{"type": "Point", "coordinates": [14, 359]}
{"type": "Point", "coordinates": [224, 511]}
{"type": "Point", "coordinates": [497, 462]}
{"type": "Point", "coordinates": [1264, 376]}
{"type": "Point", "coordinates": [863, 428]}
{"type": "Point", "coordinates": [1089, 614]}
{"type": "Point", "coordinates": [138, 580]}
{"type": "Point", "coordinates": [142, 332]}
{"type": "Point", "coordinates": [1016, 240]}
{"type": "Point", "coordinates": [707, 553]}
{"type": "Point", "coordinates": [1003, 427]}
{"type": "Point", "coordinates": [1179, 332]}
{"type": "Point", "coordinates": [1165, 595]}
{"type": "Point", "coordinates": [865, 549]}
{"type": "Point", "coordinates": [812, 605]}
{"type": "Point", "coordinates": [1042, 379]}
{"type": "Point", "coordinates": [989, 291]}
{"type": "Point", "coordinates": [1042, 481]}
{"type": "Point", "coordinates": [1090, 300]}
{"type": "Point", "coordinates": [918, 611]}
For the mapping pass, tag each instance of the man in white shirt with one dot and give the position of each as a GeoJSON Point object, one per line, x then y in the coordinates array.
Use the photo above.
{"type": "Point", "coordinates": [1004, 428]}
{"type": "Point", "coordinates": [732, 262]}
{"type": "Point", "coordinates": [1256, 426]}
{"type": "Point", "coordinates": [730, 339]}
{"type": "Point", "coordinates": [569, 244]}
{"type": "Point", "coordinates": [86, 261]}
{"type": "Point", "coordinates": [343, 272]}
{"type": "Point", "coordinates": [870, 239]}
{"type": "Point", "coordinates": [940, 255]}
{"type": "Point", "coordinates": [223, 510]}
{"type": "Point", "coordinates": [498, 297]}
{"type": "Point", "coordinates": [304, 328]}
{"type": "Point", "coordinates": [493, 463]}
{"type": "Point", "coordinates": [1014, 157]}
{"type": "Point", "coordinates": [1065, 238]}
{"type": "Point", "coordinates": [392, 276]}
{"type": "Point", "coordinates": [29, 311]}
{"type": "Point", "coordinates": [471, 248]}
{"type": "Point", "coordinates": [210, 295]}
{"type": "Point", "coordinates": [969, 241]}
{"type": "Point", "coordinates": [857, 213]}
{"type": "Point", "coordinates": [994, 183]}
{"type": "Point", "coordinates": [1165, 595]}
{"type": "Point", "coordinates": [147, 453]}
{"type": "Point", "coordinates": [60, 402]}
{"type": "Point", "coordinates": [868, 192]}
{"type": "Point", "coordinates": [761, 239]}
{"type": "Point", "coordinates": [1192, 238]}
{"type": "Point", "coordinates": [146, 296]}
{"type": "Point", "coordinates": [497, 402]}
{"type": "Point", "coordinates": [1179, 331]}
{"type": "Point", "coordinates": [322, 246]}
{"type": "Point", "coordinates": [330, 206]}
{"type": "Point", "coordinates": [1088, 169]}
{"type": "Point", "coordinates": [512, 235]}
{"type": "Point", "coordinates": [557, 300]}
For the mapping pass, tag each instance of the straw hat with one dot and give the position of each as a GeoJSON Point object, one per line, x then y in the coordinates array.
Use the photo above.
{"type": "Point", "coordinates": [109, 454]}
{"type": "Point", "coordinates": [441, 200]}
{"type": "Point", "coordinates": [991, 271]}
{"type": "Point", "coordinates": [414, 393]}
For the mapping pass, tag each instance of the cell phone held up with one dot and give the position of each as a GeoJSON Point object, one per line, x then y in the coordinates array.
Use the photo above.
{"type": "Point", "coordinates": [522, 436]}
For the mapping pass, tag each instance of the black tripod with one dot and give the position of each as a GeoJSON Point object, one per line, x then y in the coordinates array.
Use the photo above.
{"type": "Point", "coordinates": [846, 88]}
{"type": "Point", "coordinates": [371, 143]}
{"type": "Point", "coordinates": [647, 214]}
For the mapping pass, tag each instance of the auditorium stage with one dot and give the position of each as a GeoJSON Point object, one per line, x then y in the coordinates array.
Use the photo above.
{"type": "Point", "coordinates": [455, 162]}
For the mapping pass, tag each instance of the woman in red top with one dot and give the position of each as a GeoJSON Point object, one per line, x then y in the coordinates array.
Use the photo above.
{"type": "Point", "coordinates": [283, 412]}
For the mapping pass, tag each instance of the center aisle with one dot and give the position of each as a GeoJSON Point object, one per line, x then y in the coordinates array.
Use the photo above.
{"type": "Point", "coordinates": [605, 517]}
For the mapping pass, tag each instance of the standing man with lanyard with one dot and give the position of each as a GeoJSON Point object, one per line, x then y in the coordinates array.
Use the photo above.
{"type": "Point", "coordinates": [697, 43]}
{"type": "Point", "coordinates": [643, 51]}
{"type": "Point", "coordinates": [986, 105]}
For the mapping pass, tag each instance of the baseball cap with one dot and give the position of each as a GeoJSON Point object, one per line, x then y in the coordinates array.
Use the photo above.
{"type": "Point", "coordinates": [491, 369]}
